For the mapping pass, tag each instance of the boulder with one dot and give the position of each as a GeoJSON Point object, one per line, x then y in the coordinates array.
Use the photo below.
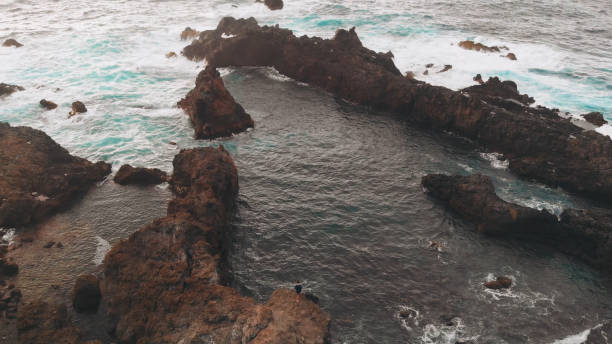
{"type": "Point", "coordinates": [501, 282]}
{"type": "Point", "coordinates": [86, 293]}
{"type": "Point", "coordinates": [167, 282]}
{"type": "Point", "coordinates": [12, 43]}
{"type": "Point", "coordinates": [511, 56]}
{"type": "Point", "coordinates": [273, 4]}
{"type": "Point", "coordinates": [471, 45]}
{"type": "Point", "coordinates": [49, 105]}
{"type": "Point", "coordinates": [6, 89]}
{"type": "Point", "coordinates": [478, 79]}
{"type": "Point", "coordinates": [446, 68]}
{"type": "Point", "coordinates": [39, 176]}
{"type": "Point", "coordinates": [77, 107]}
{"type": "Point", "coordinates": [595, 118]}
{"type": "Point", "coordinates": [140, 175]}
{"type": "Point", "coordinates": [538, 144]}
{"type": "Point", "coordinates": [212, 109]}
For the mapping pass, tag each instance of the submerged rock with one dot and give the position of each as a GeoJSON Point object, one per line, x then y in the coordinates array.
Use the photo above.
{"type": "Point", "coordinates": [40, 322]}
{"type": "Point", "coordinates": [140, 175]}
{"type": "Point", "coordinates": [12, 43]}
{"type": "Point", "coordinates": [539, 145]}
{"type": "Point", "coordinates": [39, 176]}
{"type": "Point", "coordinates": [446, 68]}
{"type": "Point", "coordinates": [49, 105]}
{"type": "Point", "coordinates": [212, 109]}
{"type": "Point", "coordinates": [86, 293]}
{"type": "Point", "coordinates": [166, 282]}
{"type": "Point", "coordinates": [77, 107]}
{"type": "Point", "coordinates": [595, 118]}
{"type": "Point", "coordinates": [6, 89]}
{"type": "Point", "coordinates": [501, 282]}
{"type": "Point", "coordinates": [189, 33]}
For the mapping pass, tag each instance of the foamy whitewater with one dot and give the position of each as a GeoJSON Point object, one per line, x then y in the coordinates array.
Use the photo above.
{"type": "Point", "coordinates": [330, 192]}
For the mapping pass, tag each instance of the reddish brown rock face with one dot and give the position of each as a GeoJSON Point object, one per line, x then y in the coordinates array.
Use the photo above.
{"type": "Point", "coordinates": [39, 177]}
{"type": "Point", "coordinates": [471, 45]}
{"type": "Point", "coordinates": [139, 175]}
{"type": "Point", "coordinates": [42, 323]}
{"type": "Point", "coordinates": [49, 105]}
{"type": "Point", "coordinates": [212, 109]}
{"type": "Point", "coordinates": [165, 285]}
{"type": "Point", "coordinates": [539, 144]}
{"type": "Point", "coordinates": [501, 282]}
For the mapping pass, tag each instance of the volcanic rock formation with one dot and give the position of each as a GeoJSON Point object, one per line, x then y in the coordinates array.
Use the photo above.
{"type": "Point", "coordinates": [212, 109]}
{"type": "Point", "coordinates": [586, 234]}
{"type": "Point", "coordinates": [6, 89]}
{"type": "Point", "coordinates": [41, 322]}
{"type": "Point", "coordinates": [140, 175]}
{"type": "Point", "coordinates": [595, 118]}
{"type": "Point", "coordinates": [39, 177]}
{"type": "Point", "coordinates": [165, 284]}
{"type": "Point", "coordinates": [537, 143]}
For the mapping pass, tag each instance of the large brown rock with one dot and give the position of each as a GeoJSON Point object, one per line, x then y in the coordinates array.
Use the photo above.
{"type": "Point", "coordinates": [7, 89]}
{"type": "Point", "coordinates": [38, 176]}
{"type": "Point", "coordinates": [139, 175]}
{"type": "Point", "coordinates": [212, 109]}
{"type": "Point", "coordinates": [595, 118]}
{"type": "Point", "coordinates": [273, 4]}
{"type": "Point", "coordinates": [11, 42]}
{"type": "Point", "coordinates": [86, 293]}
{"type": "Point", "coordinates": [538, 144]}
{"type": "Point", "coordinates": [474, 198]}
{"type": "Point", "coordinates": [586, 234]}
{"type": "Point", "coordinates": [471, 45]}
{"type": "Point", "coordinates": [47, 104]}
{"type": "Point", "coordinates": [40, 322]}
{"type": "Point", "coordinates": [165, 284]}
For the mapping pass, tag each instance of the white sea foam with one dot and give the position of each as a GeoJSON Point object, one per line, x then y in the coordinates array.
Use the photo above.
{"type": "Point", "coordinates": [496, 159]}
{"type": "Point", "coordinates": [102, 247]}
{"type": "Point", "coordinates": [575, 339]}
{"type": "Point", "coordinates": [7, 236]}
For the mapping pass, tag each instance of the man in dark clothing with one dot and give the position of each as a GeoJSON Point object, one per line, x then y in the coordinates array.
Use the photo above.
{"type": "Point", "coordinates": [298, 290]}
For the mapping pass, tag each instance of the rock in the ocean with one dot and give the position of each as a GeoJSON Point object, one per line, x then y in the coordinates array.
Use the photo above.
{"type": "Point", "coordinates": [539, 144]}
{"type": "Point", "coordinates": [49, 105]}
{"type": "Point", "coordinates": [478, 79]}
{"type": "Point", "coordinates": [501, 282]}
{"type": "Point", "coordinates": [511, 56]}
{"type": "Point", "coordinates": [12, 43]}
{"type": "Point", "coordinates": [273, 4]}
{"type": "Point", "coordinates": [6, 89]}
{"type": "Point", "coordinates": [171, 54]}
{"type": "Point", "coordinates": [495, 88]}
{"type": "Point", "coordinates": [165, 283]}
{"type": "Point", "coordinates": [77, 107]}
{"type": "Point", "coordinates": [40, 322]}
{"type": "Point", "coordinates": [140, 175]}
{"type": "Point", "coordinates": [595, 118]}
{"type": "Point", "coordinates": [189, 33]}
{"type": "Point", "coordinates": [33, 163]}
{"type": "Point", "coordinates": [86, 293]}
{"type": "Point", "coordinates": [212, 109]}
{"type": "Point", "coordinates": [471, 45]}
{"type": "Point", "coordinates": [446, 68]}
{"type": "Point", "coordinates": [474, 198]}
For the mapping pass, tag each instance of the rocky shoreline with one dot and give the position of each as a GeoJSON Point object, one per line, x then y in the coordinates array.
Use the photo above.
{"type": "Point", "coordinates": [538, 143]}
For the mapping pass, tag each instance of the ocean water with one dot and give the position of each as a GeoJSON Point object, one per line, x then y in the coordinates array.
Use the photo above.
{"type": "Point", "coordinates": [330, 192]}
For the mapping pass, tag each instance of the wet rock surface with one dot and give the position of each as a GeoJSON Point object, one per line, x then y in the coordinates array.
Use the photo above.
{"type": "Point", "coordinates": [77, 107]}
{"type": "Point", "coordinates": [39, 177]}
{"type": "Point", "coordinates": [212, 109]}
{"type": "Point", "coordinates": [165, 284]}
{"type": "Point", "coordinates": [273, 4]}
{"type": "Point", "coordinates": [500, 282]}
{"type": "Point", "coordinates": [7, 89]}
{"type": "Point", "coordinates": [86, 293]}
{"type": "Point", "coordinates": [595, 118]}
{"type": "Point", "coordinates": [538, 144]}
{"type": "Point", "coordinates": [42, 322]}
{"type": "Point", "coordinates": [140, 176]}
{"type": "Point", "coordinates": [586, 234]}
{"type": "Point", "coordinates": [11, 42]}
{"type": "Point", "coordinates": [47, 104]}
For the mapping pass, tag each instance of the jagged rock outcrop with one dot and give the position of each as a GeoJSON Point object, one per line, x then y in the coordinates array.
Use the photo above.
{"type": "Point", "coordinates": [47, 104]}
{"type": "Point", "coordinates": [600, 334]}
{"type": "Point", "coordinates": [40, 322]}
{"type": "Point", "coordinates": [586, 234]}
{"type": "Point", "coordinates": [165, 284]}
{"type": "Point", "coordinates": [471, 45]}
{"type": "Point", "coordinates": [38, 176]}
{"type": "Point", "coordinates": [538, 144]}
{"type": "Point", "coordinates": [11, 42]}
{"type": "Point", "coordinates": [7, 89]}
{"type": "Point", "coordinates": [212, 109]}
{"type": "Point", "coordinates": [595, 118]}
{"type": "Point", "coordinates": [494, 89]}
{"type": "Point", "coordinates": [86, 293]}
{"type": "Point", "coordinates": [273, 4]}
{"type": "Point", "coordinates": [139, 175]}
{"type": "Point", "coordinates": [474, 198]}
{"type": "Point", "coordinates": [77, 107]}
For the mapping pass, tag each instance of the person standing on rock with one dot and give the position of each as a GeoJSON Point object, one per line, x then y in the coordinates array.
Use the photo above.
{"type": "Point", "coordinates": [298, 290]}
